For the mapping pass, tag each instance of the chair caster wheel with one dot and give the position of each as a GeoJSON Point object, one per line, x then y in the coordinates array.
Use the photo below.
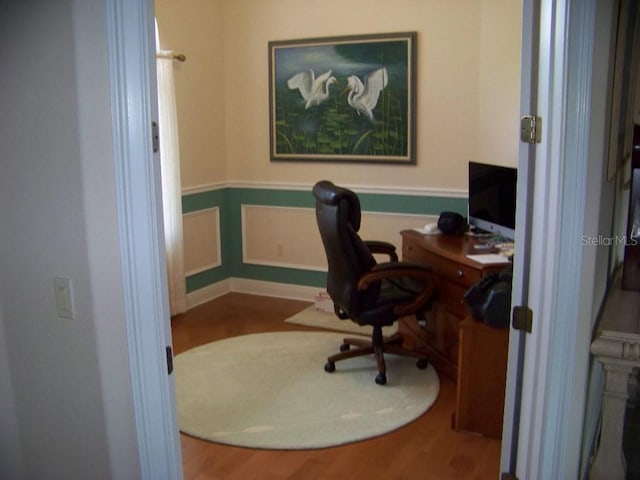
{"type": "Point", "coordinates": [422, 363]}
{"type": "Point", "coordinates": [381, 379]}
{"type": "Point", "coordinates": [329, 367]}
{"type": "Point", "coordinates": [344, 347]}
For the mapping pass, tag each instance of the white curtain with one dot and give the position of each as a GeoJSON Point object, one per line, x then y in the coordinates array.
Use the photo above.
{"type": "Point", "coordinates": [171, 187]}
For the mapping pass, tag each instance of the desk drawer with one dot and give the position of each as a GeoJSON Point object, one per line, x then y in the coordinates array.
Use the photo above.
{"type": "Point", "coordinates": [452, 295]}
{"type": "Point", "coordinates": [450, 270]}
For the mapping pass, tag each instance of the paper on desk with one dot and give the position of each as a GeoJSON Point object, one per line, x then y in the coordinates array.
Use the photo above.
{"type": "Point", "coordinates": [488, 258]}
{"type": "Point", "coordinates": [429, 229]}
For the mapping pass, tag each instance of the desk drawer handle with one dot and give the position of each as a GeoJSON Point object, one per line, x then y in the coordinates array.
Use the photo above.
{"type": "Point", "coordinates": [459, 274]}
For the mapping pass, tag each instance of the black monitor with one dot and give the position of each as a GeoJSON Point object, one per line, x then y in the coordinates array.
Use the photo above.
{"type": "Point", "coordinates": [492, 198]}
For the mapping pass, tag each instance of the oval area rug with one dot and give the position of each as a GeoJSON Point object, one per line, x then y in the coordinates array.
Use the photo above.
{"type": "Point", "coordinates": [270, 390]}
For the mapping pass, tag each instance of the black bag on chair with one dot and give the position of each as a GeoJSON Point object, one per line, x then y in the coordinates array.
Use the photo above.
{"type": "Point", "coordinates": [490, 299]}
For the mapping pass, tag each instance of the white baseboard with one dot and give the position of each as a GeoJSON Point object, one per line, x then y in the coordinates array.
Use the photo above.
{"type": "Point", "coordinates": [254, 287]}
{"type": "Point", "coordinates": [208, 293]}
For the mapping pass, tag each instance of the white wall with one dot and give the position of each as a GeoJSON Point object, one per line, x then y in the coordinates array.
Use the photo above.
{"type": "Point", "coordinates": [601, 193]}
{"type": "Point", "coordinates": [606, 207]}
{"type": "Point", "coordinates": [10, 444]}
{"type": "Point", "coordinates": [468, 55]}
{"type": "Point", "coordinates": [498, 127]}
{"type": "Point", "coordinates": [194, 28]}
{"type": "Point", "coordinates": [71, 381]}
{"type": "Point", "coordinates": [450, 59]}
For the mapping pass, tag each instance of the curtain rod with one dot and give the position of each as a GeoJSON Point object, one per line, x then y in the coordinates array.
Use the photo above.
{"type": "Point", "coordinates": [175, 56]}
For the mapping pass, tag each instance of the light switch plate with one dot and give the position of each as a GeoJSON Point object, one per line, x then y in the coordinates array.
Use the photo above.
{"type": "Point", "coordinates": [63, 292]}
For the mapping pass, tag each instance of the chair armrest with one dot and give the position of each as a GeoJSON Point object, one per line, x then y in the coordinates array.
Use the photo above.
{"type": "Point", "coordinates": [389, 270]}
{"type": "Point", "coordinates": [385, 248]}
{"type": "Point", "coordinates": [386, 270]}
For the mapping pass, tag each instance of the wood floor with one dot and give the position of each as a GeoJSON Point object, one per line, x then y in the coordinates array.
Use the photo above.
{"type": "Point", "coordinates": [425, 449]}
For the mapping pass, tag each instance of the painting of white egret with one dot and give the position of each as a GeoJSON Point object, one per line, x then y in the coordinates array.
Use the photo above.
{"type": "Point", "coordinates": [346, 99]}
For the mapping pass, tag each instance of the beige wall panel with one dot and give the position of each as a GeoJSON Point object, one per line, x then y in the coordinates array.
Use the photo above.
{"type": "Point", "coordinates": [282, 236]}
{"type": "Point", "coordinates": [274, 235]}
{"type": "Point", "coordinates": [201, 240]}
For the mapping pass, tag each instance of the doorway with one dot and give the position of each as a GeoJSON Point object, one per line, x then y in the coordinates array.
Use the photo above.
{"type": "Point", "coordinates": [537, 437]}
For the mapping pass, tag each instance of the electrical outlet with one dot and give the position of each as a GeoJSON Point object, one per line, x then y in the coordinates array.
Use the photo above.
{"type": "Point", "coordinates": [64, 297]}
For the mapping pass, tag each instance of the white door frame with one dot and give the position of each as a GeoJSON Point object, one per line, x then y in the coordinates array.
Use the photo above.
{"type": "Point", "coordinates": [543, 436]}
{"type": "Point", "coordinates": [138, 192]}
{"type": "Point", "coordinates": [524, 210]}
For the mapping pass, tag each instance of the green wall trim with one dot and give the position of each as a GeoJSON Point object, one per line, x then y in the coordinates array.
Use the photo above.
{"type": "Point", "coordinates": [230, 201]}
{"type": "Point", "coordinates": [412, 204]}
{"type": "Point", "coordinates": [205, 278]}
{"type": "Point", "coordinates": [273, 198]}
{"type": "Point", "coordinates": [201, 201]}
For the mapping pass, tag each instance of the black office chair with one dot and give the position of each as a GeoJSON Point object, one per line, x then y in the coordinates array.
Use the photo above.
{"type": "Point", "coordinates": [367, 292]}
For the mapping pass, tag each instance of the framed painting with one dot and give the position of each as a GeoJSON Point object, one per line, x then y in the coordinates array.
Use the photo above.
{"type": "Point", "coordinates": [343, 99]}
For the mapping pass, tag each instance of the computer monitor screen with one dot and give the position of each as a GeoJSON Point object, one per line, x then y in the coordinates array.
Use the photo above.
{"type": "Point", "coordinates": [492, 198]}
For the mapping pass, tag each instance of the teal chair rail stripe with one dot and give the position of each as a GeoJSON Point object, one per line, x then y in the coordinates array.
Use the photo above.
{"type": "Point", "coordinates": [205, 278]}
{"type": "Point", "coordinates": [273, 198]}
{"type": "Point", "coordinates": [411, 204]}
{"type": "Point", "coordinates": [201, 201]}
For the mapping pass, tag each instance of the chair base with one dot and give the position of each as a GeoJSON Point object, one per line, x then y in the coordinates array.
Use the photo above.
{"type": "Point", "coordinates": [363, 346]}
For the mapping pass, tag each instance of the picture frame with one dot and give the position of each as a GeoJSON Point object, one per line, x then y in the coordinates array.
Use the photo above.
{"type": "Point", "coordinates": [344, 99]}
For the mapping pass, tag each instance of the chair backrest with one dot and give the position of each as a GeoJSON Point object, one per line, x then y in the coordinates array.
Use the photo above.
{"type": "Point", "coordinates": [338, 218]}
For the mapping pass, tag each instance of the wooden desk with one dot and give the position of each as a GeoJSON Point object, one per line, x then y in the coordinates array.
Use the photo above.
{"type": "Point", "coordinates": [467, 351]}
